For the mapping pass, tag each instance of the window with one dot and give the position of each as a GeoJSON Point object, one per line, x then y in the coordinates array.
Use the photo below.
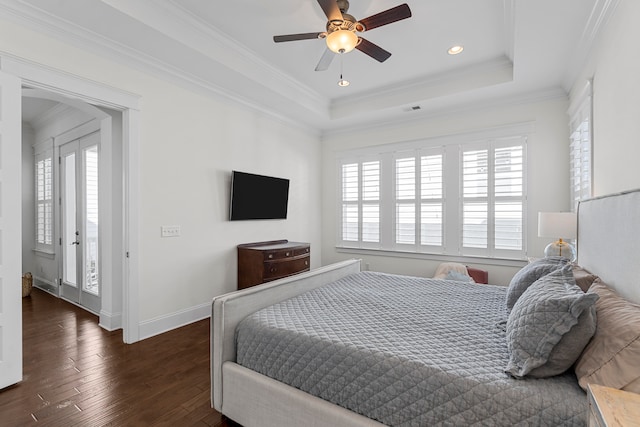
{"type": "Point", "coordinates": [451, 198]}
{"type": "Point", "coordinates": [44, 200]}
{"type": "Point", "coordinates": [419, 199]}
{"type": "Point", "coordinates": [361, 199]}
{"type": "Point", "coordinates": [580, 147]}
{"type": "Point", "coordinates": [493, 197]}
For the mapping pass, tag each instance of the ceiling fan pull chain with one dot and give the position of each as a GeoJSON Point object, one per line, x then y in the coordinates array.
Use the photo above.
{"type": "Point", "coordinates": [342, 82]}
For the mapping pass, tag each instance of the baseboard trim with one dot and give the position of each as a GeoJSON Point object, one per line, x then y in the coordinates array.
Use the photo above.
{"type": "Point", "coordinates": [161, 324]}
{"type": "Point", "coordinates": [110, 321]}
{"type": "Point", "coordinates": [45, 285]}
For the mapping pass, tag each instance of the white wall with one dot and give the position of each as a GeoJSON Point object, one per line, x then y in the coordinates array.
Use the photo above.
{"type": "Point", "coordinates": [547, 163]}
{"type": "Point", "coordinates": [189, 143]}
{"type": "Point", "coordinates": [615, 66]}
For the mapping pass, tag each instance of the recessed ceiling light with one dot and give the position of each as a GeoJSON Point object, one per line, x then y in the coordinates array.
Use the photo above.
{"type": "Point", "coordinates": [454, 50]}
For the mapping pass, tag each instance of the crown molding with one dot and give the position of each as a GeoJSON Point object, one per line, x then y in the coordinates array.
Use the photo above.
{"type": "Point", "coordinates": [173, 19]}
{"type": "Point", "coordinates": [499, 70]}
{"type": "Point", "coordinates": [600, 14]}
{"type": "Point", "coordinates": [255, 96]}
{"type": "Point", "coordinates": [421, 116]}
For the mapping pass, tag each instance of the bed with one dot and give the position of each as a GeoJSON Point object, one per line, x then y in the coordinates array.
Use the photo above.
{"type": "Point", "coordinates": [285, 353]}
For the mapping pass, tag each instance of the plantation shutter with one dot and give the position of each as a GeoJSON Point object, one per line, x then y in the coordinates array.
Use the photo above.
{"type": "Point", "coordinates": [493, 197]}
{"type": "Point", "coordinates": [360, 218]}
{"type": "Point", "coordinates": [405, 200]}
{"type": "Point", "coordinates": [475, 196]}
{"type": "Point", "coordinates": [580, 147]}
{"type": "Point", "coordinates": [44, 197]}
{"type": "Point", "coordinates": [455, 198]}
{"type": "Point", "coordinates": [350, 214]}
{"type": "Point", "coordinates": [432, 200]}
{"type": "Point", "coordinates": [371, 202]}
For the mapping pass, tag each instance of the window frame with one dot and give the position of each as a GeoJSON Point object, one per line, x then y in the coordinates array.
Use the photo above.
{"type": "Point", "coordinates": [44, 152]}
{"type": "Point", "coordinates": [451, 148]}
{"type": "Point", "coordinates": [581, 149]}
{"type": "Point", "coordinates": [492, 199]}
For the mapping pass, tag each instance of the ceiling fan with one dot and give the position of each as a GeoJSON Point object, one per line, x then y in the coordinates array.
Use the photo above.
{"type": "Point", "coordinates": [341, 31]}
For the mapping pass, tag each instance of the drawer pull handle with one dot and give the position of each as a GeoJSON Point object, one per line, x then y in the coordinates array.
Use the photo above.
{"type": "Point", "coordinates": [287, 254]}
{"type": "Point", "coordinates": [270, 256]}
{"type": "Point", "coordinates": [306, 263]}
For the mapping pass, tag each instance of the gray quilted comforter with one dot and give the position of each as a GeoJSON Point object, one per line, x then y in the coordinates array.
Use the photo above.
{"type": "Point", "coordinates": [405, 351]}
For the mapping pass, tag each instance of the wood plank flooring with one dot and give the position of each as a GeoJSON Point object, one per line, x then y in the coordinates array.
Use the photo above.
{"type": "Point", "coordinates": [77, 374]}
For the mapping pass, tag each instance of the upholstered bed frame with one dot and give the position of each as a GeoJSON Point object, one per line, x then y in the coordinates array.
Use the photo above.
{"type": "Point", "coordinates": [608, 245]}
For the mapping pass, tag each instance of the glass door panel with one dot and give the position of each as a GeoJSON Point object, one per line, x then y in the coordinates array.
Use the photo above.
{"type": "Point", "coordinates": [69, 230]}
{"type": "Point", "coordinates": [91, 236]}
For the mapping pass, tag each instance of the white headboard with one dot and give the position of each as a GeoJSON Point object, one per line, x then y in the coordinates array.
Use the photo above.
{"type": "Point", "coordinates": [609, 241]}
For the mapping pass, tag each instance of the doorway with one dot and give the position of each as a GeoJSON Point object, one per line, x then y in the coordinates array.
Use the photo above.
{"type": "Point", "coordinates": [79, 222]}
{"type": "Point", "coordinates": [119, 261]}
{"type": "Point", "coordinates": [107, 137]}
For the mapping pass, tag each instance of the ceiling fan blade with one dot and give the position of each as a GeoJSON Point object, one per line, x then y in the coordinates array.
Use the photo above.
{"type": "Point", "coordinates": [387, 17]}
{"type": "Point", "coordinates": [373, 50]}
{"type": "Point", "coordinates": [325, 61]}
{"type": "Point", "coordinates": [294, 37]}
{"type": "Point", "coordinates": [331, 9]}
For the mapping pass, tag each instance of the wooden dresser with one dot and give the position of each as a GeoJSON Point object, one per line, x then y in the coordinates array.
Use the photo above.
{"type": "Point", "coordinates": [265, 261]}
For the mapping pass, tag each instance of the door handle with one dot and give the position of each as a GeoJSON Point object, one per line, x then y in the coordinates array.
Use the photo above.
{"type": "Point", "coordinates": [75, 243]}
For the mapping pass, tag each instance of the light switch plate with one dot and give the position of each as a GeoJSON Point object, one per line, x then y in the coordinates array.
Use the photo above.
{"type": "Point", "coordinates": [170, 230]}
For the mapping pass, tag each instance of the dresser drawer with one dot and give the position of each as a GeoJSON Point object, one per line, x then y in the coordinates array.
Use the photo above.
{"type": "Point", "coordinates": [279, 254]}
{"type": "Point", "coordinates": [301, 251]}
{"type": "Point", "coordinates": [277, 269]}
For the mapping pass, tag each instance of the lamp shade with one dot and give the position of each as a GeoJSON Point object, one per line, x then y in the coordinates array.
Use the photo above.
{"type": "Point", "coordinates": [557, 224]}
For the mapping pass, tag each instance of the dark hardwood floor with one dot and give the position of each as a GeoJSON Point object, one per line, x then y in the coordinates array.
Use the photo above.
{"type": "Point", "coordinates": [77, 374]}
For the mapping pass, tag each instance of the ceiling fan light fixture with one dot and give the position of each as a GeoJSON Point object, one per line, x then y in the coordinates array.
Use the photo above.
{"type": "Point", "coordinates": [342, 41]}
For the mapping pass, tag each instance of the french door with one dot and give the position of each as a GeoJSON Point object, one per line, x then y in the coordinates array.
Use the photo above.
{"type": "Point", "coordinates": [80, 231]}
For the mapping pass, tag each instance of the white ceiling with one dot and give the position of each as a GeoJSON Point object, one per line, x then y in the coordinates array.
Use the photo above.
{"type": "Point", "coordinates": [514, 49]}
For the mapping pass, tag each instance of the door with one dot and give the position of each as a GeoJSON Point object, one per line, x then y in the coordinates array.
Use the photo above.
{"type": "Point", "coordinates": [10, 231]}
{"type": "Point", "coordinates": [80, 231]}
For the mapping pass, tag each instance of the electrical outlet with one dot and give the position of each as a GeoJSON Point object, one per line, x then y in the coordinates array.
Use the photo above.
{"type": "Point", "coordinates": [170, 230]}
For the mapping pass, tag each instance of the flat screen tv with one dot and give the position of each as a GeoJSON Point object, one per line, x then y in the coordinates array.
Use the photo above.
{"type": "Point", "coordinates": [258, 197]}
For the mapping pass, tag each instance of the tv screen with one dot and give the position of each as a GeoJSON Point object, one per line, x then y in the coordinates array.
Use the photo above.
{"type": "Point", "coordinates": [258, 197]}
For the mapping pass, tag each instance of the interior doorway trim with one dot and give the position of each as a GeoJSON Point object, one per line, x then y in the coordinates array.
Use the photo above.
{"type": "Point", "coordinates": [76, 89]}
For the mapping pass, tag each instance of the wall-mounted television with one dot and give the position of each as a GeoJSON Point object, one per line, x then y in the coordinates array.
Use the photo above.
{"type": "Point", "coordinates": [258, 197]}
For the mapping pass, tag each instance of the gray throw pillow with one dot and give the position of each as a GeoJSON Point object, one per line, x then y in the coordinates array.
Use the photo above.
{"type": "Point", "coordinates": [529, 274]}
{"type": "Point", "coordinates": [549, 326]}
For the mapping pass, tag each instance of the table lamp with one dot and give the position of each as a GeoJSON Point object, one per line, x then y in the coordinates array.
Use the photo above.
{"type": "Point", "coordinates": [561, 225]}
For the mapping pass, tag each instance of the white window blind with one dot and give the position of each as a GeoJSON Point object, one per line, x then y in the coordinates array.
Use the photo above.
{"type": "Point", "coordinates": [371, 202]}
{"type": "Point", "coordinates": [360, 204]}
{"type": "Point", "coordinates": [580, 148]}
{"type": "Point", "coordinates": [405, 229]}
{"type": "Point", "coordinates": [44, 200]}
{"type": "Point", "coordinates": [493, 198]}
{"type": "Point", "coordinates": [350, 216]}
{"type": "Point", "coordinates": [455, 199]}
{"type": "Point", "coordinates": [431, 200]}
